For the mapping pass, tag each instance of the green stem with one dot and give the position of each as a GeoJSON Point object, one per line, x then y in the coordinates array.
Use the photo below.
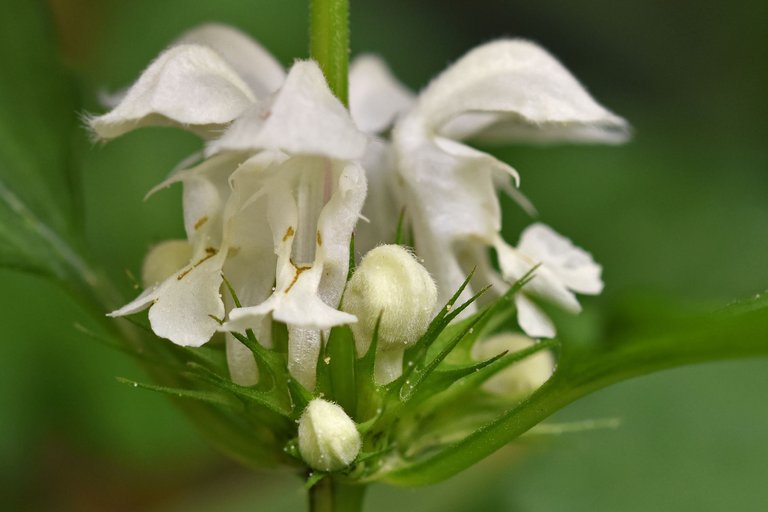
{"type": "Point", "coordinates": [331, 495]}
{"type": "Point", "coordinates": [329, 42]}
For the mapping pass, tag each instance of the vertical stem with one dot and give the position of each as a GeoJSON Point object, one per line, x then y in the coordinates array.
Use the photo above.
{"type": "Point", "coordinates": [329, 42]}
{"type": "Point", "coordinates": [329, 46]}
{"type": "Point", "coordinates": [330, 495]}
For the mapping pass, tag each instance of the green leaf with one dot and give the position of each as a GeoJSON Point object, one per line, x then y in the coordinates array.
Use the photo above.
{"type": "Point", "coordinates": [39, 191]}
{"type": "Point", "coordinates": [38, 114]}
{"type": "Point", "coordinates": [736, 332]}
{"type": "Point", "coordinates": [417, 375]}
{"type": "Point", "coordinates": [340, 354]}
{"type": "Point", "coordinates": [209, 397]}
{"type": "Point", "coordinates": [252, 396]}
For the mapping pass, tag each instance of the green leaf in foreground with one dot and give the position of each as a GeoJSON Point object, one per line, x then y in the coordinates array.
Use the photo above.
{"type": "Point", "coordinates": [39, 189]}
{"type": "Point", "coordinates": [739, 331]}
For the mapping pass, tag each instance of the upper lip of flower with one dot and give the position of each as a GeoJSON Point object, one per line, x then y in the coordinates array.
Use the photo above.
{"type": "Point", "coordinates": [507, 90]}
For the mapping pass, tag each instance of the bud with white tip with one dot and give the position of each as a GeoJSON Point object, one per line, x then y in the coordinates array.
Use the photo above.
{"type": "Point", "coordinates": [522, 378]}
{"type": "Point", "coordinates": [328, 438]}
{"type": "Point", "coordinates": [389, 281]}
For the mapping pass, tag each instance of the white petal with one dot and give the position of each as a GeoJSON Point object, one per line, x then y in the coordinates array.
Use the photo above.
{"type": "Point", "coordinates": [532, 319]}
{"type": "Point", "coordinates": [243, 369]}
{"type": "Point", "coordinates": [516, 90]}
{"type": "Point", "coordinates": [188, 86]}
{"type": "Point", "coordinates": [572, 265]}
{"type": "Point", "coordinates": [544, 283]}
{"type": "Point", "coordinates": [251, 260]}
{"type": "Point", "coordinates": [182, 304]}
{"type": "Point", "coordinates": [335, 225]}
{"type": "Point", "coordinates": [451, 190]}
{"type": "Point", "coordinates": [375, 95]}
{"type": "Point", "coordinates": [385, 199]}
{"type": "Point", "coordinates": [206, 191]}
{"type": "Point", "coordinates": [163, 260]}
{"type": "Point", "coordinates": [143, 301]}
{"type": "Point", "coordinates": [302, 118]}
{"type": "Point", "coordinates": [303, 352]}
{"type": "Point", "coordinates": [255, 65]}
{"type": "Point", "coordinates": [451, 199]}
{"type": "Point", "coordinates": [299, 307]}
{"type": "Point", "coordinates": [184, 308]}
{"type": "Point", "coordinates": [495, 167]}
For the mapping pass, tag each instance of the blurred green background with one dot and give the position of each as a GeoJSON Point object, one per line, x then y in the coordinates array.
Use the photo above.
{"type": "Point", "coordinates": [681, 212]}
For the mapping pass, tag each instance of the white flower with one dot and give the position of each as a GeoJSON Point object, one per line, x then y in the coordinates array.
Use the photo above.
{"type": "Point", "coordinates": [509, 90]}
{"type": "Point", "coordinates": [184, 305]}
{"type": "Point", "coordinates": [275, 202]}
{"type": "Point", "coordinates": [562, 269]}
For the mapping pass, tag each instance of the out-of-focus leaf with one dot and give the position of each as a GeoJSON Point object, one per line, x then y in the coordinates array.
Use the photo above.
{"type": "Point", "coordinates": [735, 332]}
{"type": "Point", "coordinates": [38, 115]}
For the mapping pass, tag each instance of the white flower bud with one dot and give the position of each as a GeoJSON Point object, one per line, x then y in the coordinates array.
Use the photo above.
{"type": "Point", "coordinates": [163, 260]}
{"type": "Point", "coordinates": [522, 378]}
{"type": "Point", "coordinates": [328, 438]}
{"type": "Point", "coordinates": [389, 281]}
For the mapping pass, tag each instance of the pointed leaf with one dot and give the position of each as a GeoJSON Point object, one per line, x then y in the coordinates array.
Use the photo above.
{"type": "Point", "coordinates": [205, 396]}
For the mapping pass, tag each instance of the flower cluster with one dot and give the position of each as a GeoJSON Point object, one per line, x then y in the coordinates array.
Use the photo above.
{"type": "Point", "coordinates": [287, 172]}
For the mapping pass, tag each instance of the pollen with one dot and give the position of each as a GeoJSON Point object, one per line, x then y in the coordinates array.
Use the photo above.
{"type": "Point", "coordinates": [202, 220]}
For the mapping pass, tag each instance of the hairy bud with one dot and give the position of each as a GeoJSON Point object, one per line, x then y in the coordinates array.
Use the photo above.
{"type": "Point", "coordinates": [389, 281]}
{"type": "Point", "coordinates": [522, 378]}
{"type": "Point", "coordinates": [328, 438]}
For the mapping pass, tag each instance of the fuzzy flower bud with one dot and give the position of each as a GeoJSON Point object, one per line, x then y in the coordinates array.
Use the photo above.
{"type": "Point", "coordinates": [389, 281]}
{"type": "Point", "coordinates": [163, 260]}
{"type": "Point", "coordinates": [522, 378]}
{"type": "Point", "coordinates": [328, 438]}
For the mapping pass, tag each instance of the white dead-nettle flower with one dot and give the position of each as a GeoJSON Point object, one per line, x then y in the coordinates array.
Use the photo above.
{"type": "Point", "coordinates": [274, 203]}
{"type": "Point", "coordinates": [509, 90]}
{"type": "Point", "coordinates": [522, 378]}
{"type": "Point", "coordinates": [391, 283]}
{"type": "Point", "coordinates": [328, 438]}
{"type": "Point", "coordinates": [562, 269]}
